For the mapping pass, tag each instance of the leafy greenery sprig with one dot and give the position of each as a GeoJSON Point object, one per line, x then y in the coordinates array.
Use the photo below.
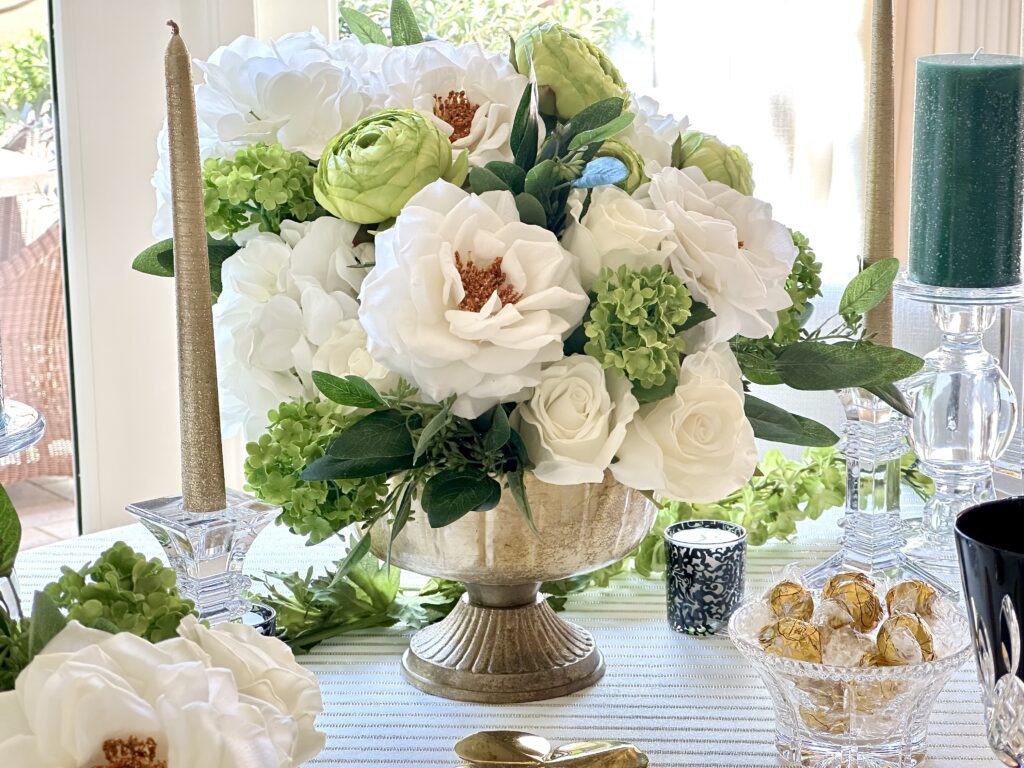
{"type": "Point", "coordinates": [451, 464]}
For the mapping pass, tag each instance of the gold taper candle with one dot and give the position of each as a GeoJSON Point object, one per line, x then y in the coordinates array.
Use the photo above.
{"type": "Point", "coordinates": [878, 199]}
{"type": "Point", "coordinates": [202, 458]}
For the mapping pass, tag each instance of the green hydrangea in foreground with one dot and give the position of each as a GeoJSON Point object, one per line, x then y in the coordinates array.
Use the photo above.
{"type": "Point", "coordinates": [634, 323]}
{"type": "Point", "coordinates": [122, 591]}
{"type": "Point", "coordinates": [299, 433]}
{"type": "Point", "coordinates": [263, 184]}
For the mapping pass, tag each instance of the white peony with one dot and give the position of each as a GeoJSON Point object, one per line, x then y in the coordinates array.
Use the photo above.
{"type": "Point", "coordinates": [224, 699]}
{"type": "Point", "coordinates": [617, 230]}
{"type": "Point", "coordinates": [575, 421]}
{"type": "Point", "coordinates": [443, 312]}
{"type": "Point", "coordinates": [695, 445]}
{"type": "Point", "coordinates": [417, 76]}
{"type": "Point", "coordinates": [652, 134]}
{"type": "Point", "coordinates": [345, 353]}
{"type": "Point", "coordinates": [733, 256]}
{"type": "Point", "coordinates": [284, 297]}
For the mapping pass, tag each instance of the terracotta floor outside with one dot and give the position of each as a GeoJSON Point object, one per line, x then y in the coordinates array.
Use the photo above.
{"type": "Point", "coordinates": [46, 506]}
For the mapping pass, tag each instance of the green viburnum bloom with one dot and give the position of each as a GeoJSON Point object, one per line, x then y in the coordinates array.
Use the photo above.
{"type": "Point", "coordinates": [630, 158]}
{"type": "Point", "coordinates": [634, 322]}
{"type": "Point", "coordinates": [299, 433]}
{"type": "Point", "coordinates": [729, 165]}
{"type": "Point", "coordinates": [123, 592]}
{"type": "Point", "coordinates": [369, 172]}
{"type": "Point", "coordinates": [262, 184]}
{"type": "Point", "coordinates": [572, 73]}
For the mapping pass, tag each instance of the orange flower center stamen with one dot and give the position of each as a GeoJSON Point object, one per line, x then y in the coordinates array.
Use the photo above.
{"type": "Point", "coordinates": [456, 110]}
{"type": "Point", "coordinates": [131, 753]}
{"type": "Point", "coordinates": [479, 284]}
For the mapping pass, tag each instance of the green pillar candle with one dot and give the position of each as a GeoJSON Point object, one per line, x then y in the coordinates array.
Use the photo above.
{"type": "Point", "coordinates": [968, 171]}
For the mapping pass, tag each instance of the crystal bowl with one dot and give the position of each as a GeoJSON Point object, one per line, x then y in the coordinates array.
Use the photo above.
{"type": "Point", "coordinates": [849, 717]}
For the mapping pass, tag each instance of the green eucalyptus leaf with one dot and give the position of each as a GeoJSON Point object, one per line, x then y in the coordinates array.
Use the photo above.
{"type": "Point", "coordinates": [365, 29]}
{"type": "Point", "coordinates": [354, 555]}
{"type": "Point", "coordinates": [517, 487]}
{"type": "Point", "coordinates": [405, 30]}
{"type": "Point", "coordinates": [525, 134]}
{"type": "Point", "coordinates": [602, 133]}
{"type": "Point", "coordinates": [510, 173]}
{"type": "Point", "coordinates": [351, 390]}
{"type": "Point", "coordinates": [597, 115]}
{"type": "Point", "coordinates": [890, 393]}
{"type": "Point", "coordinates": [381, 434]}
{"type": "Point", "coordinates": [869, 287]}
{"type": "Point", "coordinates": [433, 428]}
{"type": "Point", "coordinates": [541, 181]}
{"type": "Point", "coordinates": [46, 623]}
{"type": "Point", "coordinates": [815, 365]}
{"type": "Point", "coordinates": [769, 421]}
{"type": "Point", "coordinates": [453, 493]}
{"type": "Point", "coordinates": [499, 432]}
{"type": "Point", "coordinates": [482, 180]}
{"type": "Point", "coordinates": [10, 534]}
{"type": "Point", "coordinates": [814, 434]}
{"type": "Point", "coordinates": [402, 515]}
{"type": "Point", "coordinates": [530, 210]}
{"type": "Point", "coordinates": [699, 313]}
{"type": "Point", "coordinates": [158, 260]}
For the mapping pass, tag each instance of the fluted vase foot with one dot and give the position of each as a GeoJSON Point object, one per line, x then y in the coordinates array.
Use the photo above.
{"type": "Point", "coordinates": [502, 645]}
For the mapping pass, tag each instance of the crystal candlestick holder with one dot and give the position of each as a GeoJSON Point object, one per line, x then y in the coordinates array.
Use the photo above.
{"type": "Point", "coordinates": [207, 550]}
{"type": "Point", "coordinates": [874, 441]}
{"type": "Point", "coordinates": [21, 426]}
{"type": "Point", "coordinates": [964, 414]}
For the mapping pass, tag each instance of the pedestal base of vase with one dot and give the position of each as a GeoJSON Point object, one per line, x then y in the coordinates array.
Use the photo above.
{"type": "Point", "coordinates": [502, 645]}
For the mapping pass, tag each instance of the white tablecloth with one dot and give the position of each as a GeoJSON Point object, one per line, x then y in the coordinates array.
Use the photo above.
{"type": "Point", "coordinates": [686, 701]}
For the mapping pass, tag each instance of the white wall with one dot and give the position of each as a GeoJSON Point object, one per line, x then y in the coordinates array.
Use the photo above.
{"type": "Point", "coordinates": [109, 58]}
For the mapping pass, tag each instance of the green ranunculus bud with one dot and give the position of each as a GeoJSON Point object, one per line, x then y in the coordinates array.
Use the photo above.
{"type": "Point", "coordinates": [630, 158]}
{"type": "Point", "coordinates": [572, 73]}
{"type": "Point", "coordinates": [367, 173]}
{"type": "Point", "coordinates": [729, 165]}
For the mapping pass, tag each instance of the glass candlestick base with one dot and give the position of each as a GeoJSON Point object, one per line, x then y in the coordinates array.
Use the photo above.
{"type": "Point", "coordinates": [873, 443]}
{"type": "Point", "coordinates": [207, 549]}
{"type": "Point", "coordinates": [21, 427]}
{"type": "Point", "coordinates": [964, 413]}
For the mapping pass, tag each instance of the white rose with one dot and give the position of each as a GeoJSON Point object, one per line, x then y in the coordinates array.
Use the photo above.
{"type": "Point", "coordinates": [88, 686]}
{"type": "Point", "coordinates": [652, 134]}
{"type": "Point", "coordinates": [442, 311]}
{"type": "Point", "coordinates": [695, 445]}
{"type": "Point", "coordinates": [617, 230]}
{"type": "Point", "coordinates": [714, 362]}
{"type": "Point", "coordinates": [734, 256]}
{"type": "Point", "coordinates": [265, 669]}
{"type": "Point", "coordinates": [345, 353]}
{"type": "Point", "coordinates": [575, 421]}
{"type": "Point", "coordinates": [416, 76]}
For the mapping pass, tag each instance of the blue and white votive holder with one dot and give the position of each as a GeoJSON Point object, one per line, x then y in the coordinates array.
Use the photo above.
{"type": "Point", "coordinates": [705, 569]}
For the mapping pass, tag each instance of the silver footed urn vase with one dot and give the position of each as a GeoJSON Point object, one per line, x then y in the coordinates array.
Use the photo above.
{"type": "Point", "coordinates": [503, 643]}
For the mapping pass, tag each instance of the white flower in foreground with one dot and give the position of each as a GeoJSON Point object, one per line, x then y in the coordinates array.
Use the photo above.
{"type": "Point", "coordinates": [345, 353]}
{"type": "Point", "coordinates": [284, 297]}
{"type": "Point", "coordinates": [467, 300]}
{"type": "Point", "coordinates": [715, 362]}
{"type": "Point", "coordinates": [734, 256]}
{"type": "Point", "coordinates": [222, 699]}
{"type": "Point", "coordinates": [617, 230]}
{"type": "Point", "coordinates": [472, 93]}
{"type": "Point", "coordinates": [652, 134]}
{"type": "Point", "coordinates": [695, 445]}
{"type": "Point", "coordinates": [575, 421]}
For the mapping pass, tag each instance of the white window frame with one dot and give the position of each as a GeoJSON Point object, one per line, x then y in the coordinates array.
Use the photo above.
{"type": "Point", "coordinates": [110, 91]}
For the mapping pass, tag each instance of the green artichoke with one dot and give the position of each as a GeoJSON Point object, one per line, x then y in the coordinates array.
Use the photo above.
{"type": "Point", "coordinates": [572, 73]}
{"type": "Point", "coordinates": [630, 158]}
{"type": "Point", "coordinates": [729, 165]}
{"type": "Point", "coordinates": [369, 172]}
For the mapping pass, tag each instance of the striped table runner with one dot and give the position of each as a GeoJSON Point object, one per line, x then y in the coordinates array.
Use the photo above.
{"type": "Point", "coordinates": [686, 701]}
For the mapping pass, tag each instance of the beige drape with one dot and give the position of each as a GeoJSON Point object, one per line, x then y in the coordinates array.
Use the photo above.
{"type": "Point", "coordinates": [938, 26]}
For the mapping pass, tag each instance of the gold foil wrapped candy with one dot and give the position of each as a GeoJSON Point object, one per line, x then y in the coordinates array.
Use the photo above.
{"type": "Point", "coordinates": [904, 639]}
{"type": "Point", "coordinates": [862, 603]}
{"type": "Point", "coordinates": [789, 600]}
{"type": "Point", "coordinates": [838, 580]}
{"type": "Point", "coordinates": [792, 638]}
{"type": "Point", "coordinates": [911, 597]}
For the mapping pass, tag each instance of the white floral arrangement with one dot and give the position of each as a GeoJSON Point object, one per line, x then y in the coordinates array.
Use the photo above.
{"type": "Point", "coordinates": [446, 267]}
{"type": "Point", "coordinates": [210, 698]}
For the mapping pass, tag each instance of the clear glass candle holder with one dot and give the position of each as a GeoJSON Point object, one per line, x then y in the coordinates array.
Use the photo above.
{"type": "Point", "coordinates": [848, 717]}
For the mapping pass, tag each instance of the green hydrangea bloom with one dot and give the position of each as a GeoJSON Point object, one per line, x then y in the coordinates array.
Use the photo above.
{"type": "Point", "coordinates": [299, 433]}
{"type": "Point", "coordinates": [803, 284]}
{"type": "Point", "coordinates": [719, 162]}
{"type": "Point", "coordinates": [635, 320]}
{"type": "Point", "coordinates": [262, 184]}
{"type": "Point", "coordinates": [123, 592]}
{"type": "Point", "coordinates": [370, 171]}
{"type": "Point", "coordinates": [572, 73]}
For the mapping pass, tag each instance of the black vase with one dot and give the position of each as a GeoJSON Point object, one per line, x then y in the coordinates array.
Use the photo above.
{"type": "Point", "coordinates": [990, 545]}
